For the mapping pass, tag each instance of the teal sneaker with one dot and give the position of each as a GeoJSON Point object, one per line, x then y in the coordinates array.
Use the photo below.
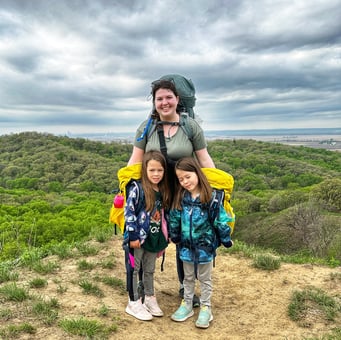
{"type": "Point", "coordinates": [182, 313]}
{"type": "Point", "coordinates": [204, 318]}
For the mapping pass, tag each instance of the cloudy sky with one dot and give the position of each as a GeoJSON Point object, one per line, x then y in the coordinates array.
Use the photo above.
{"type": "Point", "coordinates": [86, 66]}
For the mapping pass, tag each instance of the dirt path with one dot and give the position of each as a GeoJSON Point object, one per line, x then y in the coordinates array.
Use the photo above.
{"type": "Point", "coordinates": [247, 303]}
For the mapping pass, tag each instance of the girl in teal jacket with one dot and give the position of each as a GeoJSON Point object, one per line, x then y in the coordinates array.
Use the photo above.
{"type": "Point", "coordinates": [191, 226]}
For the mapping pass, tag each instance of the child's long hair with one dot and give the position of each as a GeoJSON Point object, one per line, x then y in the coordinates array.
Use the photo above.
{"type": "Point", "coordinates": [147, 186]}
{"type": "Point", "coordinates": [191, 164]}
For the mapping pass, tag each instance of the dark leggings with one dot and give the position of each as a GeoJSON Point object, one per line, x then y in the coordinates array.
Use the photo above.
{"type": "Point", "coordinates": [179, 265]}
{"type": "Point", "coordinates": [130, 271]}
{"type": "Point", "coordinates": [172, 181]}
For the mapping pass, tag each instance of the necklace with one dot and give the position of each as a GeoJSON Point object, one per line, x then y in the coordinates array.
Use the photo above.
{"type": "Point", "coordinates": [169, 130]}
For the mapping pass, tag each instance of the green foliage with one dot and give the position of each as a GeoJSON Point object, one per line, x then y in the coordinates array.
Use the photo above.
{"type": "Point", "coordinates": [7, 273]}
{"type": "Point", "coordinates": [266, 262]}
{"type": "Point", "coordinates": [63, 249]}
{"type": "Point", "coordinates": [328, 193]}
{"type": "Point", "coordinates": [55, 193]}
{"type": "Point", "coordinates": [44, 222]}
{"type": "Point", "coordinates": [42, 161]}
{"type": "Point", "coordinates": [86, 249]}
{"type": "Point", "coordinates": [285, 199]}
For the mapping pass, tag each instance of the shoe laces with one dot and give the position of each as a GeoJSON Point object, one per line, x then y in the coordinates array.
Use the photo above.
{"type": "Point", "coordinates": [204, 310]}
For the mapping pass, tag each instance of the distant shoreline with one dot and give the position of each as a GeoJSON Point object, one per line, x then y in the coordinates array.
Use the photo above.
{"type": "Point", "coordinates": [218, 134]}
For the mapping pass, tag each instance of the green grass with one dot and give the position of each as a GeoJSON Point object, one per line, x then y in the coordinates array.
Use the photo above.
{"type": "Point", "coordinates": [6, 314]}
{"type": "Point", "coordinates": [335, 334]}
{"type": "Point", "coordinates": [312, 301]}
{"type": "Point", "coordinates": [86, 249]}
{"type": "Point", "coordinates": [85, 265]}
{"type": "Point", "coordinates": [90, 329]}
{"type": "Point", "coordinates": [13, 331]}
{"type": "Point", "coordinates": [103, 311]}
{"type": "Point", "coordinates": [38, 283]}
{"type": "Point", "coordinates": [113, 282]}
{"type": "Point", "coordinates": [11, 292]}
{"type": "Point", "coordinates": [252, 251]}
{"type": "Point", "coordinates": [45, 268]}
{"type": "Point", "coordinates": [7, 274]}
{"type": "Point", "coordinates": [108, 264]}
{"type": "Point", "coordinates": [32, 256]}
{"type": "Point", "coordinates": [47, 311]}
{"type": "Point", "coordinates": [63, 250]}
{"type": "Point", "coordinates": [90, 288]}
{"type": "Point", "coordinates": [102, 235]}
{"type": "Point", "coordinates": [266, 261]}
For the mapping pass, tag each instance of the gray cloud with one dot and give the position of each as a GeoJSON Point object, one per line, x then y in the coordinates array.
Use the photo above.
{"type": "Point", "coordinates": [87, 65]}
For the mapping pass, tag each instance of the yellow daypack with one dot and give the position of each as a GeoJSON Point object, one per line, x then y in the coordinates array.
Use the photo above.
{"type": "Point", "coordinates": [221, 180]}
{"type": "Point", "coordinates": [218, 179]}
{"type": "Point", "coordinates": [125, 175]}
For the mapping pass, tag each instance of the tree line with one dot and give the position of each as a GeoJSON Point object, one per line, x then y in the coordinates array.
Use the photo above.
{"type": "Point", "coordinates": [56, 188]}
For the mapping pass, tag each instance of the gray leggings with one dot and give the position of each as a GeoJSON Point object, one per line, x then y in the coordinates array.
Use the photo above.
{"type": "Point", "coordinates": [147, 260]}
{"type": "Point", "coordinates": [205, 279]}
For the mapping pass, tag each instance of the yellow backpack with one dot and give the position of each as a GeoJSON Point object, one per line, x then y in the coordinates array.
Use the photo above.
{"type": "Point", "coordinates": [218, 179]}
{"type": "Point", "coordinates": [222, 181]}
{"type": "Point", "coordinates": [125, 175]}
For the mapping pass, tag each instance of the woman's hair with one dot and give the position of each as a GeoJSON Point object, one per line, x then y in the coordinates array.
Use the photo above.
{"type": "Point", "coordinates": [190, 164]}
{"type": "Point", "coordinates": [161, 84]}
{"type": "Point", "coordinates": [147, 186]}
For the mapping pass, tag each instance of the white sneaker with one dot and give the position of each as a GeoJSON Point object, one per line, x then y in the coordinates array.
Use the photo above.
{"type": "Point", "coordinates": [152, 306]}
{"type": "Point", "coordinates": [136, 309]}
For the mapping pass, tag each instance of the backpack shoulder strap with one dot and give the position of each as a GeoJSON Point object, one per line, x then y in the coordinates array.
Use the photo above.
{"type": "Point", "coordinates": [186, 126]}
{"type": "Point", "coordinates": [146, 129]}
{"type": "Point", "coordinates": [139, 193]}
{"type": "Point", "coordinates": [215, 204]}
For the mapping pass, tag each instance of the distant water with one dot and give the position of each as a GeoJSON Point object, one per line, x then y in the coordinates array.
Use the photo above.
{"type": "Point", "coordinates": [276, 132]}
{"type": "Point", "coordinates": [222, 134]}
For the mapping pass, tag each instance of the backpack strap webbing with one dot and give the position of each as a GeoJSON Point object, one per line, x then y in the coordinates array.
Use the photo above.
{"type": "Point", "coordinates": [163, 147]}
{"type": "Point", "coordinates": [152, 125]}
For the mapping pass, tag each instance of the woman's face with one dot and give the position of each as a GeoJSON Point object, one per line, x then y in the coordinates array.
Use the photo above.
{"type": "Point", "coordinates": [165, 103]}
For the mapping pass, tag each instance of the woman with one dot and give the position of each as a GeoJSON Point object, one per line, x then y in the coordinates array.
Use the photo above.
{"type": "Point", "coordinates": [165, 112]}
{"type": "Point", "coordinates": [165, 102]}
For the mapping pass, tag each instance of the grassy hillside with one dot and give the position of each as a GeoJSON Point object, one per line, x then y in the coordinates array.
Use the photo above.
{"type": "Point", "coordinates": [58, 189]}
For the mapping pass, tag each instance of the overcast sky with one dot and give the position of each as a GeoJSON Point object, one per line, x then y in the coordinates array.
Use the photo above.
{"type": "Point", "coordinates": [86, 66]}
